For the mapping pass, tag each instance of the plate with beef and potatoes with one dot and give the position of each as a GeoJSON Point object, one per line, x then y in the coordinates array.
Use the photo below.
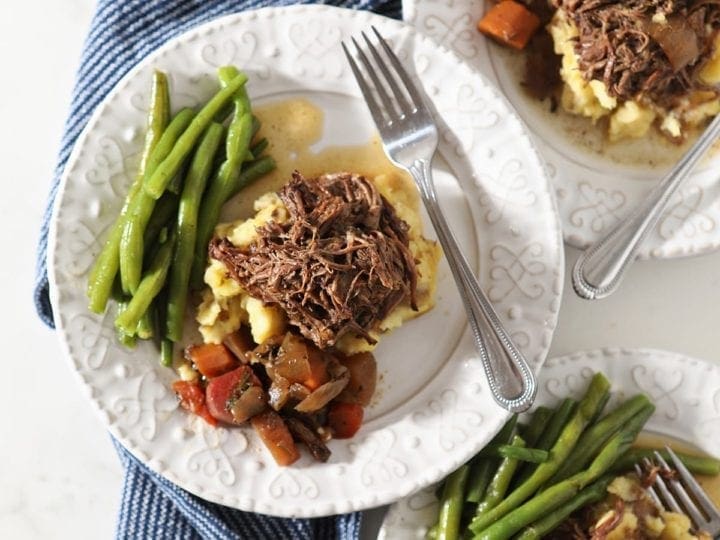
{"type": "Point", "coordinates": [614, 93]}
{"type": "Point", "coordinates": [321, 363]}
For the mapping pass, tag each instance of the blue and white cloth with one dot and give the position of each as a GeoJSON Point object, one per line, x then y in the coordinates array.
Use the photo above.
{"type": "Point", "coordinates": [122, 33]}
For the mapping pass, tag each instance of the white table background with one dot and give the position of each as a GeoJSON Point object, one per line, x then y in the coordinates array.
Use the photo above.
{"type": "Point", "coordinates": [59, 474]}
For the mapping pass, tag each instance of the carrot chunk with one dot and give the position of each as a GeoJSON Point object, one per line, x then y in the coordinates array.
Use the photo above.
{"type": "Point", "coordinates": [345, 419]}
{"type": "Point", "coordinates": [276, 436]}
{"type": "Point", "coordinates": [509, 23]}
{"type": "Point", "coordinates": [211, 359]}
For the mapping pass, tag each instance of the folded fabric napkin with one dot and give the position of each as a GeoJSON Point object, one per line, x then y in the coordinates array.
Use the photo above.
{"type": "Point", "coordinates": [122, 33]}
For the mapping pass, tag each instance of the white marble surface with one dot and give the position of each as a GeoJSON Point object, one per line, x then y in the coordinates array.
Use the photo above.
{"type": "Point", "coordinates": [59, 475]}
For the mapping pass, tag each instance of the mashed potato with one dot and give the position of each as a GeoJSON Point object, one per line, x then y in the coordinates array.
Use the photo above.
{"type": "Point", "coordinates": [225, 306]}
{"type": "Point", "coordinates": [640, 517]}
{"type": "Point", "coordinates": [628, 119]}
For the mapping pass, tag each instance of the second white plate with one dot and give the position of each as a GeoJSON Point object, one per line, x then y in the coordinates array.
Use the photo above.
{"type": "Point", "coordinates": [685, 391]}
{"type": "Point", "coordinates": [593, 191]}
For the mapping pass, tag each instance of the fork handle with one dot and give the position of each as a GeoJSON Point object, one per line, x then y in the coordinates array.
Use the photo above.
{"type": "Point", "coordinates": [512, 382]}
{"type": "Point", "coordinates": [600, 269]}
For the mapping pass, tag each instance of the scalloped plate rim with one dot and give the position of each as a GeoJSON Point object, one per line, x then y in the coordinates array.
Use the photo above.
{"type": "Point", "coordinates": [229, 20]}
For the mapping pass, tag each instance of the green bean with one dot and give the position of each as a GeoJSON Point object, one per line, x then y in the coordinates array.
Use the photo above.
{"type": "Point", "coordinates": [163, 214]}
{"type": "Point", "coordinates": [559, 418]}
{"type": "Point", "coordinates": [591, 494]}
{"type": "Point", "coordinates": [158, 117]}
{"type": "Point", "coordinates": [166, 352]}
{"type": "Point", "coordinates": [187, 228]}
{"type": "Point", "coordinates": [251, 172]}
{"type": "Point", "coordinates": [703, 465]}
{"type": "Point", "coordinates": [225, 183]}
{"type": "Point", "coordinates": [142, 206]}
{"type": "Point", "coordinates": [125, 338]}
{"type": "Point", "coordinates": [150, 285]}
{"type": "Point", "coordinates": [549, 435]}
{"type": "Point", "coordinates": [596, 435]}
{"type": "Point", "coordinates": [501, 481]}
{"type": "Point", "coordinates": [259, 147]}
{"type": "Point", "coordinates": [524, 454]}
{"type": "Point", "coordinates": [530, 455]}
{"type": "Point", "coordinates": [145, 324]}
{"type": "Point", "coordinates": [451, 505]}
{"type": "Point", "coordinates": [599, 386]}
{"type": "Point", "coordinates": [170, 166]}
{"type": "Point", "coordinates": [600, 410]}
{"type": "Point", "coordinates": [537, 425]}
{"type": "Point", "coordinates": [102, 275]}
{"type": "Point", "coordinates": [483, 468]}
{"type": "Point", "coordinates": [481, 472]}
{"type": "Point", "coordinates": [532, 510]}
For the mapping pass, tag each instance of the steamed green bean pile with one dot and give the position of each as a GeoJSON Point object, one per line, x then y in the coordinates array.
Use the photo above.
{"type": "Point", "coordinates": [192, 162]}
{"type": "Point", "coordinates": [533, 476]}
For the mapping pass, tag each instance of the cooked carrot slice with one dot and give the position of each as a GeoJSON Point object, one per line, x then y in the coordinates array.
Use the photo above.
{"type": "Point", "coordinates": [211, 359]}
{"type": "Point", "coordinates": [363, 377]}
{"type": "Point", "coordinates": [276, 436]}
{"type": "Point", "coordinates": [509, 23]}
{"type": "Point", "coordinates": [345, 419]}
{"type": "Point", "coordinates": [318, 369]}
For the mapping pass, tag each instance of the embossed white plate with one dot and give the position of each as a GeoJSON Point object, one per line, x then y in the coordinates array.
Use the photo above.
{"type": "Point", "coordinates": [432, 409]}
{"type": "Point", "coordinates": [686, 392]}
{"type": "Point", "coordinates": [593, 191]}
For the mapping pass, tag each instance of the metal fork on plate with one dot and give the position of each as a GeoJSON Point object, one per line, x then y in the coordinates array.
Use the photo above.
{"type": "Point", "coordinates": [684, 496]}
{"type": "Point", "coordinates": [410, 139]}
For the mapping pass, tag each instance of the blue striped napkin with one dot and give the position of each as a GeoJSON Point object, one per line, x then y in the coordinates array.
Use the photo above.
{"type": "Point", "coordinates": [122, 33]}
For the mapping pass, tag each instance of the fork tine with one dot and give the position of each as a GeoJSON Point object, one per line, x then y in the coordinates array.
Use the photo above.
{"type": "Point", "coordinates": [390, 111]}
{"type": "Point", "coordinates": [418, 100]}
{"type": "Point", "coordinates": [697, 518]}
{"type": "Point", "coordinates": [405, 105]}
{"type": "Point", "coordinates": [664, 491]}
{"type": "Point", "coordinates": [692, 485]}
{"type": "Point", "coordinates": [650, 490]}
{"type": "Point", "coordinates": [373, 105]}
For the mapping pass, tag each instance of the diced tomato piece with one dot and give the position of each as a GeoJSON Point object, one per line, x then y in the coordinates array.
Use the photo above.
{"type": "Point", "coordinates": [276, 436]}
{"type": "Point", "coordinates": [211, 359]}
{"type": "Point", "coordinates": [345, 419]}
{"type": "Point", "coordinates": [192, 398]}
{"type": "Point", "coordinates": [220, 389]}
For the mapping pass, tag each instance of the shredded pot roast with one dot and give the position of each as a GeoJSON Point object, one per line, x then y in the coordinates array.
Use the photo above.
{"type": "Point", "coordinates": [626, 44]}
{"type": "Point", "coordinates": [340, 264]}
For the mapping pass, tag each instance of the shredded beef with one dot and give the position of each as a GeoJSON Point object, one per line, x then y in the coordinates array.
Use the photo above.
{"type": "Point", "coordinates": [637, 58]}
{"type": "Point", "coordinates": [340, 264]}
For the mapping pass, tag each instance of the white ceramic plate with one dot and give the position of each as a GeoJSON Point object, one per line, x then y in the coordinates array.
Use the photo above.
{"type": "Point", "coordinates": [686, 392]}
{"type": "Point", "coordinates": [433, 408]}
{"type": "Point", "coordinates": [593, 191]}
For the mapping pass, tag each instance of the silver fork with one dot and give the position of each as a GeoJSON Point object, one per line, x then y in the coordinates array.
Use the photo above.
{"type": "Point", "coordinates": [685, 496]}
{"type": "Point", "coordinates": [410, 139]}
{"type": "Point", "coordinates": [601, 267]}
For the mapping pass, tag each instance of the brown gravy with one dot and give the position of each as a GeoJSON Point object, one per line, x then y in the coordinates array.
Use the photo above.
{"type": "Point", "coordinates": [292, 127]}
{"type": "Point", "coordinates": [711, 484]}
